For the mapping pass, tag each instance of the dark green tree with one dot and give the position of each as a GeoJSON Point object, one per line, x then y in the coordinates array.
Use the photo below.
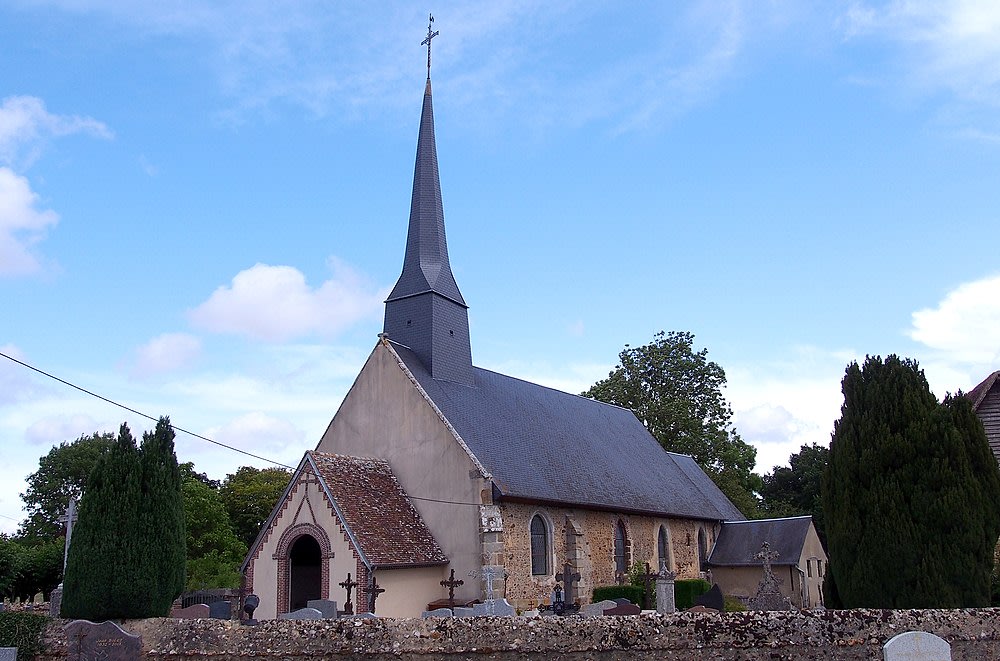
{"type": "Point", "coordinates": [105, 575]}
{"type": "Point", "coordinates": [61, 474]}
{"type": "Point", "coordinates": [162, 519]}
{"type": "Point", "coordinates": [794, 490]}
{"type": "Point", "coordinates": [909, 494]}
{"type": "Point", "coordinates": [676, 392]}
{"type": "Point", "coordinates": [249, 495]}
{"type": "Point", "coordinates": [214, 553]}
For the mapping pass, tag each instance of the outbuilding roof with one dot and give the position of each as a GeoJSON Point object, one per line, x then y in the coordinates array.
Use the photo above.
{"type": "Point", "coordinates": [545, 445]}
{"type": "Point", "coordinates": [739, 542]}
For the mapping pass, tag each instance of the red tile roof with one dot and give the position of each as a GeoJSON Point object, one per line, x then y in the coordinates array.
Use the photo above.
{"type": "Point", "coordinates": [388, 530]}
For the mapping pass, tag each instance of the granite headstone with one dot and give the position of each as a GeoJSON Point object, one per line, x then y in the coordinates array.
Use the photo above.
{"type": "Point", "coordinates": [325, 606]}
{"type": "Point", "coordinates": [917, 646]}
{"type": "Point", "coordinates": [438, 612]}
{"type": "Point", "coordinates": [87, 641]}
{"type": "Point", "coordinates": [498, 608]}
{"type": "Point", "coordinates": [712, 599]}
{"type": "Point", "coordinates": [302, 614]}
{"type": "Point", "coordinates": [220, 610]}
{"type": "Point", "coordinates": [192, 612]}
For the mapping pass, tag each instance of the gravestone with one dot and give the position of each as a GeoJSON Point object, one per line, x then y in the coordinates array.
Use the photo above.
{"type": "Point", "coordinates": [768, 596]}
{"type": "Point", "coordinates": [363, 616]}
{"type": "Point", "coordinates": [220, 610]}
{"type": "Point", "coordinates": [325, 606]}
{"type": "Point", "coordinates": [494, 607]}
{"type": "Point", "coordinates": [8, 653]}
{"type": "Point", "coordinates": [712, 599]}
{"type": "Point", "coordinates": [86, 641]}
{"type": "Point", "coordinates": [623, 607]}
{"type": "Point", "coordinates": [438, 612]}
{"type": "Point", "coordinates": [462, 611]}
{"type": "Point", "coordinates": [302, 614]}
{"type": "Point", "coordinates": [917, 646]}
{"type": "Point", "coordinates": [55, 601]}
{"type": "Point", "coordinates": [598, 608]}
{"type": "Point", "coordinates": [192, 612]}
{"type": "Point", "coordinates": [665, 599]}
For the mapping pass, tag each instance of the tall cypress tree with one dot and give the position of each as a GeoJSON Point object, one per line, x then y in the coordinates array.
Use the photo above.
{"type": "Point", "coordinates": [162, 519]}
{"type": "Point", "coordinates": [908, 494]}
{"type": "Point", "coordinates": [103, 571]}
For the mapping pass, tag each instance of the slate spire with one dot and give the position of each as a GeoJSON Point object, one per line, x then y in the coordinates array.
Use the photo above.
{"type": "Point", "coordinates": [425, 310]}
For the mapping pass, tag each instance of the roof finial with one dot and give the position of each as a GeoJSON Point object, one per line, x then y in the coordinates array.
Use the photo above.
{"type": "Point", "coordinates": [430, 35]}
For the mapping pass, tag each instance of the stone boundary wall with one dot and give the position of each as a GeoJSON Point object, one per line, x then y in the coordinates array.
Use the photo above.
{"type": "Point", "coordinates": [750, 636]}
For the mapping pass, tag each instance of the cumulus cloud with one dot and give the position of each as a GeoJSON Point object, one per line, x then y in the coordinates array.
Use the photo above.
{"type": "Point", "coordinates": [22, 225]}
{"type": "Point", "coordinates": [276, 304]}
{"type": "Point", "coordinates": [258, 432]}
{"type": "Point", "coordinates": [963, 326]}
{"type": "Point", "coordinates": [165, 353]}
{"type": "Point", "coordinates": [25, 127]}
{"type": "Point", "coordinates": [57, 428]}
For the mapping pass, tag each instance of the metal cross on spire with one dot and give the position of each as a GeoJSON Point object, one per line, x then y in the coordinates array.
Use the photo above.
{"type": "Point", "coordinates": [427, 42]}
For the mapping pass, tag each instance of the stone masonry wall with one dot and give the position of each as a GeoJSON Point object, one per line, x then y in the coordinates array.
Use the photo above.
{"type": "Point", "coordinates": [750, 636]}
{"type": "Point", "coordinates": [592, 535]}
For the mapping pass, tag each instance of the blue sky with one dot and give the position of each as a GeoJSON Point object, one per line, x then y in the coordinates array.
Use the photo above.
{"type": "Point", "coordinates": [203, 205]}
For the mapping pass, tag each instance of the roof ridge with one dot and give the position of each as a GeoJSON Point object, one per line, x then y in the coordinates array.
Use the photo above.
{"type": "Point", "coordinates": [776, 518]}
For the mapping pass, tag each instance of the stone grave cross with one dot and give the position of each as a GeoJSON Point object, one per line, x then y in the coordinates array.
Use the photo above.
{"type": "Point", "coordinates": [489, 574]}
{"type": "Point", "coordinates": [374, 590]}
{"type": "Point", "coordinates": [451, 584]}
{"type": "Point", "coordinates": [69, 518]}
{"type": "Point", "coordinates": [349, 585]}
{"type": "Point", "coordinates": [568, 577]}
{"type": "Point", "coordinates": [766, 555]}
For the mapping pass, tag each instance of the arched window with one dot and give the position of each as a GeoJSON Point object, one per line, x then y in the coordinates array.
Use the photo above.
{"type": "Point", "coordinates": [539, 546]}
{"type": "Point", "coordinates": [702, 550]}
{"type": "Point", "coordinates": [663, 548]}
{"type": "Point", "coordinates": [621, 553]}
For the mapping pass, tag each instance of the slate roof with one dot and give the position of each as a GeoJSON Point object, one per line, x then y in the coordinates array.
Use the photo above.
{"type": "Point", "coordinates": [978, 394]}
{"type": "Point", "coordinates": [541, 444]}
{"type": "Point", "coordinates": [386, 529]}
{"type": "Point", "coordinates": [739, 541]}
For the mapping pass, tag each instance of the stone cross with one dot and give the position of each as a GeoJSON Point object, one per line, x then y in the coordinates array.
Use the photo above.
{"type": "Point", "coordinates": [766, 555]}
{"type": "Point", "coordinates": [349, 585]}
{"type": "Point", "coordinates": [568, 577]}
{"type": "Point", "coordinates": [374, 590]}
{"type": "Point", "coordinates": [451, 584]}
{"type": "Point", "coordinates": [69, 518]}
{"type": "Point", "coordinates": [427, 42]}
{"type": "Point", "coordinates": [490, 573]}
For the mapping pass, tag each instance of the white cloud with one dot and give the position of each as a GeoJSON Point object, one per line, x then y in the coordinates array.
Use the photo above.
{"type": "Point", "coordinates": [54, 429]}
{"type": "Point", "coordinates": [259, 433]}
{"type": "Point", "coordinates": [25, 126]}
{"type": "Point", "coordinates": [951, 44]}
{"type": "Point", "coordinates": [165, 353]}
{"type": "Point", "coordinates": [22, 225]}
{"type": "Point", "coordinates": [275, 304]}
{"type": "Point", "coordinates": [963, 327]}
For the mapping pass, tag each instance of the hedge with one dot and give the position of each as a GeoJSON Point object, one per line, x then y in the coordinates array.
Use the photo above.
{"type": "Point", "coordinates": [686, 590]}
{"type": "Point", "coordinates": [631, 592]}
{"type": "Point", "coordinates": [22, 630]}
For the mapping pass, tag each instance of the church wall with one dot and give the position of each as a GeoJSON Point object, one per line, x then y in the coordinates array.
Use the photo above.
{"type": "Point", "coordinates": [384, 415]}
{"type": "Point", "coordinates": [305, 511]}
{"type": "Point", "coordinates": [408, 591]}
{"type": "Point", "coordinates": [743, 581]}
{"type": "Point", "coordinates": [586, 539]}
{"type": "Point", "coordinates": [812, 562]}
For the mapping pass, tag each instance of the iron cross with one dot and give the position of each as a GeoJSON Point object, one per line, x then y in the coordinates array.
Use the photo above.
{"type": "Point", "coordinates": [374, 590]}
{"type": "Point", "coordinates": [349, 585]}
{"type": "Point", "coordinates": [427, 42]}
{"type": "Point", "coordinates": [451, 584]}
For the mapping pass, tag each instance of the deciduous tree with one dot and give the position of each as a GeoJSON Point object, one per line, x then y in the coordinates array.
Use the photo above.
{"type": "Point", "coordinates": [677, 394]}
{"type": "Point", "coordinates": [909, 494]}
{"type": "Point", "coordinates": [249, 495]}
{"type": "Point", "coordinates": [794, 490]}
{"type": "Point", "coordinates": [214, 553]}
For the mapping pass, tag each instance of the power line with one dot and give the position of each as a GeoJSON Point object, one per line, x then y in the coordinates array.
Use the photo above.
{"type": "Point", "coordinates": [140, 413]}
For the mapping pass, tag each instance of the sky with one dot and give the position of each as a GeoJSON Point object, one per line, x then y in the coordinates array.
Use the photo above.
{"type": "Point", "coordinates": [203, 205]}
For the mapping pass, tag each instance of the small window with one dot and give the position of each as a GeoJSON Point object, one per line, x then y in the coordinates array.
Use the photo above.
{"type": "Point", "coordinates": [702, 550]}
{"type": "Point", "coordinates": [819, 568]}
{"type": "Point", "coordinates": [539, 547]}
{"type": "Point", "coordinates": [809, 568]}
{"type": "Point", "coordinates": [621, 539]}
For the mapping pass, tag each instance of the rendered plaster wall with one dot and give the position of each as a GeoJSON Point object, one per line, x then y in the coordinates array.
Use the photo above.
{"type": "Point", "coordinates": [813, 562]}
{"type": "Point", "coordinates": [408, 591]}
{"type": "Point", "coordinates": [752, 636]}
{"type": "Point", "coordinates": [385, 415]}
{"type": "Point", "coordinates": [586, 539]}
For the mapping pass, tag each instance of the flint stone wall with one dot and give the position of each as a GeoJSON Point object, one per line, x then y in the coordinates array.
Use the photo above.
{"type": "Point", "coordinates": [750, 636]}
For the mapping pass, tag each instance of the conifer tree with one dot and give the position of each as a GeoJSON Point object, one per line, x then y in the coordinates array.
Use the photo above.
{"type": "Point", "coordinates": [103, 574]}
{"type": "Point", "coordinates": [908, 494]}
{"type": "Point", "coordinates": [162, 519]}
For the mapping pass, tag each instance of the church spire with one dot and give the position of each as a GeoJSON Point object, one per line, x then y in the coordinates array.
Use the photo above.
{"type": "Point", "coordinates": [425, 310]}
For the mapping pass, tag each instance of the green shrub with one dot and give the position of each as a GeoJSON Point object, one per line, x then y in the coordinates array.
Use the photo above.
{"type": "Point", "coordinates": [631, 592]}
{"type": "Point", "coordinates": [23, 631]}
{"type": "Point", "coordinates": [732, 604]}
{"type": "Point", "coordinates": [686, 590]}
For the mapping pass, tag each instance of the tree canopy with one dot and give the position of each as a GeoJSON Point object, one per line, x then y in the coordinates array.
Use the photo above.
{"type": "Point", "coordinates": [249, 495]}
{"type": "Point", "coordinates": [214, 553]}
{"type": "Point", "coordinates": [61, 474]}
{"type": "Point", "coordinates": [676, 392]}
{"type": "Point", "coordinates": [794, 490]}
{"type": "Point", "coordinates": [909, 494]}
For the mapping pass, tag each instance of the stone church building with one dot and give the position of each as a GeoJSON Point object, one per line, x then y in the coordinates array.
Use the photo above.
{"type": "Point", "coordinates": [432, 464]}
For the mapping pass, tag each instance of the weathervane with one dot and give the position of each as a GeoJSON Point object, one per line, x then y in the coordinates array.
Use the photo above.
{"type": "Point", "coordinates": [427, 42]}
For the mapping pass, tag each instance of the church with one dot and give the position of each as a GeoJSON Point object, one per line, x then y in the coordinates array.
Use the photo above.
{"type": "Point", "coordinates": [435, 474]}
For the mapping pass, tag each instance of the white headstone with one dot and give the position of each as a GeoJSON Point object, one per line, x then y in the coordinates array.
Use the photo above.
{"type": "Point", "coordinates": [917, 646]}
